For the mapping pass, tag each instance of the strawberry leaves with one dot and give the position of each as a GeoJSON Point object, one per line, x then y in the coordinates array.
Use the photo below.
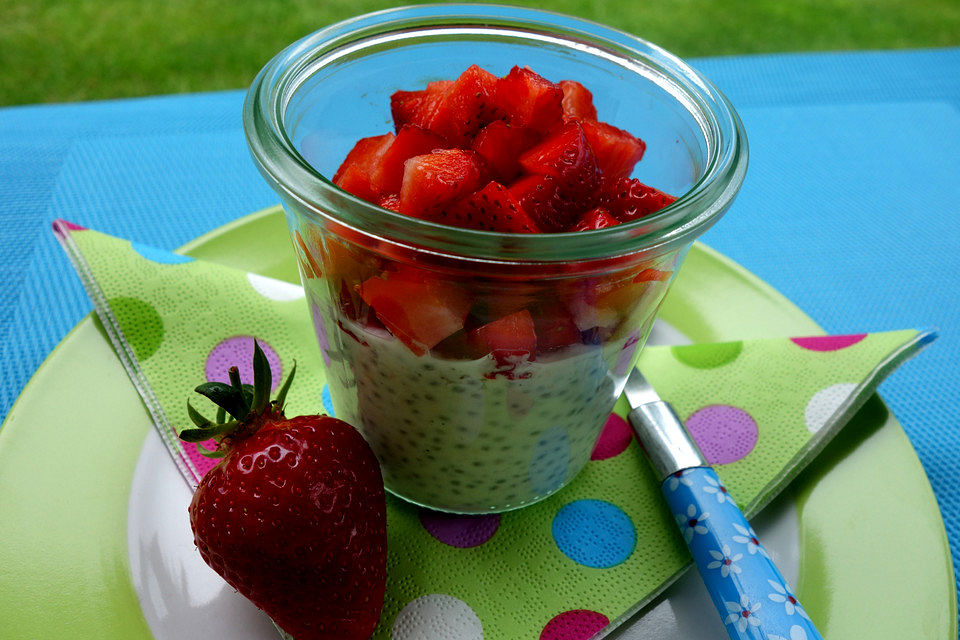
{"type": "Point", "coordinates": [243, 402]}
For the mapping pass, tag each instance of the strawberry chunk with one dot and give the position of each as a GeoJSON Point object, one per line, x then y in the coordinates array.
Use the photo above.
{"type": "Point", "coordinates": [357, 182]}
{"type": "Point", "coordinates": [501, 144]}
{"type": "Point", "coordinates": [410, 141]}
{"type": "Point", "coordinates": [651, 275]}
{"type": "Point", "coordinates": [468, 105]}
{"type": "Point", "coordinates": [390, 201]}
{"type": "Point", "coordinates": [433, 180]}
{"type": "Point", "coordinates": [567, 157]}
{"type": "Point", "coordinates": [365, 154]}
{"type": "Point", "coordinates": [418, 308]}
{"type": "Point", "coordinates": [354, 174]}
{"type": "Point", "coordinates": [577, 101]}
{"type": "Point", "coordinates": [630, 199]}
{"type": "Point", "coordinates": [492, 208]}
{"type": "Point", "coordinates": [555, 329]}
{"type": "Point", "coordinates": [509, 339]}
{"type": "Point", "coordinates": [529, 100]}
{"type": "Point", "coordinates": [598, 218]}
{"type": "Point", "coordinates": [418, 107]}
{"type": "Point", "coordinates": [616, 150]}
{"type": "Point", "coordinates": [539, 197]}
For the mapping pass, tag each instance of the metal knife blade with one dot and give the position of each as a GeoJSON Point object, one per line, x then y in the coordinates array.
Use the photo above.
{"type": "Point", "coordinates": [659, 429]}
{"type": "Point", "coordinates": [639, 391]}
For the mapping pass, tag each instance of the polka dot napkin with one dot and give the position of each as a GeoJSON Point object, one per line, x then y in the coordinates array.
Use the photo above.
{"type": "Point", "coordinates": [563, 569]}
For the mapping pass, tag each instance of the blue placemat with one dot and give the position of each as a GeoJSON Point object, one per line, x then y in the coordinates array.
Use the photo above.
{"type": "Point", "coordinates": [850, 208]}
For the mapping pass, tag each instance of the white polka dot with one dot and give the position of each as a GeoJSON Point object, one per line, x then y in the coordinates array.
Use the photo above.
{"type": "Point", "coordinates": [437, 617]}
{"type": "Point", "coordinates": [825, 403]}
{"type": "Point", "coordinates": [274, 289]}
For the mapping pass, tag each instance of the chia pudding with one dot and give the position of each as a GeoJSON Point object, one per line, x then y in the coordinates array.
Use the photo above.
{"type": "Point", "coordinates": [474, 434]}
{"type": "Point", "coordinates": [455, 435]}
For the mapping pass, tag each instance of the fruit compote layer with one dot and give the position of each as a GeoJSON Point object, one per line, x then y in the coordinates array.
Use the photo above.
{"type": "Point", "coordinates": [484, 388]}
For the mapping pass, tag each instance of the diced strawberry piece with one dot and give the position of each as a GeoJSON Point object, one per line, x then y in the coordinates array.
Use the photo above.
{"type": "Point", "coordinates": [468, 105]}
{"type": "Point", "coordinates": [567, 157]}
{"type": "Point", "coordinates": [503, 304]}
{"type": "Point", "coordinates": [577, 101]}
{"type": "Point", "coordinates": [529, 100]}
{"type": "Point", "coordinates": [616, 150]}
{"type": "Point", "coordinates": [492, 208]}
{"type": "Point", "coordinates": [418, 308]}
{"type": "Point", "coordinates": [435, 179]}
{"type": "Point", "coordinates": [347, 265]}
{"type": "Point", "coordinates": [555, 330]}
{"type": "Point", "coordinates": [598, 218]}
{"type": "Point", "coordinates": [615, 299]}
{"type": "Point", "coordinates": [630, 199]}
{"type": "Point", "coordinates": [651, 275]}
{"type": "Point", "coordinates": [539, 197]}
{"type": "Point", "coordinates": [418, 107]}
{"type": "Point", "coordinates": [390, 201]}
{"type": "Point", "coordinates": [509, 338]}
{"type": "Point", "coordinates": [460, 345]}
{"type": "Point", "coordinates": [410, 141]}
{"type": "Point", "coordinates": [365, 155]}
{"type": "Point", "coordinates": [346, 260]}
{"type": "Point", "coordinates": [501, 144]}
{"type": "Point", "coordinates": [354, 174]}
{"type": "Point", "coordinates": [357, 182]}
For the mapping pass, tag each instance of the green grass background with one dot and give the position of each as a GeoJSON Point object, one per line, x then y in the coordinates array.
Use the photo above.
{"type": "Point", "coordinates": [66, 50]}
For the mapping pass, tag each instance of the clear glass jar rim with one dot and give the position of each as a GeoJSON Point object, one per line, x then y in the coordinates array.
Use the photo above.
{"type": "Point", "coordinates": [299, 184]}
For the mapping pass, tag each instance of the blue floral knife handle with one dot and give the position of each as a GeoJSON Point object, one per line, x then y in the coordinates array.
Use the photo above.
{"type": "Point", "coordinates": [747, 589]}
{"type": "Point", "coordinates": [750, 594]}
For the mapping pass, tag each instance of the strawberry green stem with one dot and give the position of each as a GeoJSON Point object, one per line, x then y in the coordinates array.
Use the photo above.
{"type": "Point", "coordinates": [243, 402]}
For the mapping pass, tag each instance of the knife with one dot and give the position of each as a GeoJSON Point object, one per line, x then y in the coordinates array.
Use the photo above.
{"type": "Point", "coordinates": [751, 596]}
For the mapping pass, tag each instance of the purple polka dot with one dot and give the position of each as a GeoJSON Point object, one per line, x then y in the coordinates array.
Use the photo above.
{"type": "Point", "coordinates": [238, 351]}
{"type": "Point", "coordinates": [724, 434]}
{"type": "Point", "coordinates": [828, 343]}
{"type": "Point", "coordinates": [321, 330]}
{"type": "Point", "coordinates": [579, 624]}
{"type": "Point", "coordinates": [460, 531]}
{"type": "Point", "coordinates": [614, 439]}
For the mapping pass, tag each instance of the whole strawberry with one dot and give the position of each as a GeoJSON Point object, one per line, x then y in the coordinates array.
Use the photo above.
{"type": "Point", "coordinates": [293, 517]}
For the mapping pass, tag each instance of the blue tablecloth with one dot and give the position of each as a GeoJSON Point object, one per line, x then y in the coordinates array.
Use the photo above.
{"type": "Point", "coordinates": [851, 208]}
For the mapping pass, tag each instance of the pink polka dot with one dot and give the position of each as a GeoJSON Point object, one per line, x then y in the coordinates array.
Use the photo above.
{"type": "Point", "coordinates": [460, 531]}
{"type": "Point", "coordinates": [828, 343]}
{"type": "Point", "coordinates": [71, 226]}
{"type": "Point", "coordinates": [238, 351]}
{"type": "Point", "coordinates": [200, 462]}
{"type": "Point", "coordinates": [579, 624]}
{"type": "Point", "coordinates": [614, 439]}
{"type": "Point", "coordinates": [724, 434]}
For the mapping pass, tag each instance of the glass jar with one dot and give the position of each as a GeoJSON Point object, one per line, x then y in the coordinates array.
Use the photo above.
{"type": "Point", "coordinates": [481, 366]}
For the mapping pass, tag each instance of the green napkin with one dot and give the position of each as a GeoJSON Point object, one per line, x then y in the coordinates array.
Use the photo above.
{"type": "Point", "coordinates": [585, 558]}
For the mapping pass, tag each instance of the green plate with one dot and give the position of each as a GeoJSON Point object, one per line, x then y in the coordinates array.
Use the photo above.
{"type": "Point", "coordinates": [874, 559]}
